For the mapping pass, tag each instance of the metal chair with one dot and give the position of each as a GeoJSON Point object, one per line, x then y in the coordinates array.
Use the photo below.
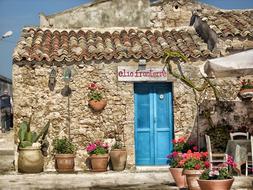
{"type": "Point", "coordinates": [249, 163]}
{"type": "Point", "coordinates": [213, 157]}
{"type": "Point", "coordinates": [239, 135]}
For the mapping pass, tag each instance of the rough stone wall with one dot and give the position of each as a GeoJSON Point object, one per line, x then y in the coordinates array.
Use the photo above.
{"type": "Point", "coordinates": [100, 14]}
{"type": "Point", "coordinates": [32, 96]}
{"type": "Point", "coordinates": [174, 13]}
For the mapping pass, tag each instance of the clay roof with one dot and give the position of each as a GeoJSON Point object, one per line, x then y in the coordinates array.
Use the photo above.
{"type": "Point", "coordinates": [230, 23]}
{"type": "Point", "coordinates": [37, 44]}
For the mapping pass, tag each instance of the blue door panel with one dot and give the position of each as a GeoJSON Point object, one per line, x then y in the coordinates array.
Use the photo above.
{"type": "Point", "coordinates": [153, 123]}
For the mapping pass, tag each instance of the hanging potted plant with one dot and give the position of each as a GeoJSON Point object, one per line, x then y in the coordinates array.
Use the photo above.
{"type": "Point", "coordinates": [175, 160]}
{"type": "Point", "coordinates": [218, 178]}
{"type": "Point", "coordinates": [64, 155]}
{"type": "Point", "coordinates": [194, 164]}
{"type": "Point", "coordinates": [118, 156]}
{"type": "Point", "coordinates": [96, 101]}
{"type": "Point", "coordinates": [99, 157]}
{"type": "Point", "coordinates": [32, 147]}
{"type": "Point", "coordinates": [246, 90]}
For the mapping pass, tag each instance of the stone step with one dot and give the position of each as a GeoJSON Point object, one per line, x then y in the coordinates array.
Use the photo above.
{"type": "Point", "coordinates": [4, 152]}
{"type": "Point", "coordinates": [6, 163]}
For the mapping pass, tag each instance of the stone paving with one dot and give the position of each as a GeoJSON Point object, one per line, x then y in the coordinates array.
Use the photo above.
{"type": "Point", "coordinates": [100, 181]}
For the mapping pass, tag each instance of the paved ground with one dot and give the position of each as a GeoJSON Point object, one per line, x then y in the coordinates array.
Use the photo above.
{"type": "Point", "coordinates": [100, 181]}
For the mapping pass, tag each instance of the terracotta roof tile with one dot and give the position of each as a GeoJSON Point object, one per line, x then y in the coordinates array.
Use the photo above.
{"type": "Point", "coordinates": [230, 23]}
{"type": "Point", "coordinates": [52, 45]}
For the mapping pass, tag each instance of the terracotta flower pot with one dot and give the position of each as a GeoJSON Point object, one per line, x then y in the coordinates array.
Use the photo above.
{"type": "Point", "coordinates": [179, 178]}
{"type": "Point", "coordinates": [30, 160]}
{"type": "Point", "coordinates": [97, 105]}
{"type": "Point", "coordinates": [99, 162]}
{"type": "Point", "coordinates": [118, 159]}
{"type": "Point", "coordinates": [246, 94]}
{"type": "Point", "coordinates": [191, 177]}
{"type": "Point", "coordinates": [64, 162]}
{"type": "Point", "coordinates": [225, 184]}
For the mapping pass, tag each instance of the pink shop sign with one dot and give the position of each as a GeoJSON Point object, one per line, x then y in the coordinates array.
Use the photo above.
{"type": "Point", "coordinates": [132, 73]}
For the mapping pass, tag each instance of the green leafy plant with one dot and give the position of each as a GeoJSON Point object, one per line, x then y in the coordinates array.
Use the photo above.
{"type": "Point", "coordinates": [118, 145]}
{"type": "Point", "coordinates": [96, 92]}
{"type": "Point", "coordinates": [28, 137]}
{"type": "Point", "coordinates": [219, 136]}
{"type": "Point", "coordinates": [63, 146]}
{"type": "Point", "coordinates": [194, 160]}
{"type": "Point", "coordinates": [246, 84]}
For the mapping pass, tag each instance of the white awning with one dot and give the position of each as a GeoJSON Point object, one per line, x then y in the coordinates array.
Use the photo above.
{"type": "Point", "coordinates": [236, 65]}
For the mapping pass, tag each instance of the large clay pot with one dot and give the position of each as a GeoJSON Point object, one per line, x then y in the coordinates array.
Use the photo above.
{"type": "Point", "coordinates": [118, 158]}
{"type": "Point", "coordinates": [97, 105]}
{"type": "Point", "coordinates": [224, 184]}
{"type": "Point", "coordinates": [30, 160]}
{"type": "Point", "coordinates": [99, 162]}
{"type": "Point", "coordinates": [191, 177]}
{"type": "Point", "coordinates": [64, 163]}
{"type": "Point", "coordinates": [180, 179]}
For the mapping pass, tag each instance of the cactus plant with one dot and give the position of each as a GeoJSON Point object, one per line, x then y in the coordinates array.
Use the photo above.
{"type": "Point", "coordinates": [28, 137]}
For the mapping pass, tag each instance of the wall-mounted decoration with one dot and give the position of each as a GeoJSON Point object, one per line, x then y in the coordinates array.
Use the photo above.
{"type": "Point", "coordinates": [96, 101]}
{"type": "Point", "coordinates": [52, 78]}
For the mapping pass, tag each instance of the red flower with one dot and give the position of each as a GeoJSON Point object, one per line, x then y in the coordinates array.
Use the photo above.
{"type": "Point", "coordinates": [92, 86]}
{"type": "Point", "coordinates": [197, 166]}
{"type": "Point", "coordinates": [207, 164]}
{"type": "Point", "coordinates": [195, 148]}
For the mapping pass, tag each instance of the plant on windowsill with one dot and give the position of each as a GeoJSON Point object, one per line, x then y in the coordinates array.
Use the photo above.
{"type": "Point", "coordinates": [96, 101]}
{"type": "Point", "coordinates": [218, 178]}
{"type": "Point", "coordinates": [246, 90]}
{"type": "Point", "coordinates": [99, 157]}
{"type": "Point", "coordinates": [64, 151]}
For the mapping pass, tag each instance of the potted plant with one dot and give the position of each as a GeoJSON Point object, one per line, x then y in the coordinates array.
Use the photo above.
{"type": "Point", "coordinates": [246, 90]}
{"type": "Point", "coordinates": [218, 178]}
{"type": "Point", "coordinates": [194, 164]}
{"type": "Point", "coordinates": [118, 156]}
{"type": "Point", "coordinates": [99, 157]}
{"type": "Point", "coordinates": [180, 146]}
{"type": "Point", "coordinates": [32, 147]}
{"type": "Point", "coordinates": [64, 157]}
{"type": "Point", "coordinates": [96, 101]}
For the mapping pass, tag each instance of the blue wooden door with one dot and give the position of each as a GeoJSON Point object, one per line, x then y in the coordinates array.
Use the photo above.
{"type": "Point", "coordinates": [153, 123]}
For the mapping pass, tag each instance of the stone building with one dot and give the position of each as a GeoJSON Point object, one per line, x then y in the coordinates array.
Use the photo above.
{"type": "Point", "coordinates": [120, 45]}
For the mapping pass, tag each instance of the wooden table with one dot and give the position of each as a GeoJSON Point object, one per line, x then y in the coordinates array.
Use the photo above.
{"type": "Point", "coordinates": [239, 150]}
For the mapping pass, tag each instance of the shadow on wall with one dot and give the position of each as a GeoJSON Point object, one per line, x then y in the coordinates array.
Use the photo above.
{"type": "Point", "coordinates": [221, 118]}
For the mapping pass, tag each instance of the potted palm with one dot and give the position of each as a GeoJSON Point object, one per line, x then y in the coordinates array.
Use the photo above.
{"type": "Point", "coordinates": [118, 156]}
{"type": "Point", "coordinates": [99, 157]}
{"type": "Point", "coordinates": [64, 155]}
{"type": "Point", "coordinates": [218, 178]}
{"type": "Point", "coordinates": [96, 101]}
{"type": "Point", "coordinates": [32, 147]}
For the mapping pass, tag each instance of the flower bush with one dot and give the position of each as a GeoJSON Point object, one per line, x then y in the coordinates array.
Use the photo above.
{"type": "Point", "coordinates": [246, 84]}
{"type": "Point", "coordinates": [98, 147]}
{"type": "Point", "coordinates": [223, 171]}
{"type": "Point", "coordinates": [194, 160]}
{"type": "Point", "coordinates": [181, 145]}
{"type": "Point", "coordinates": [95, 91]}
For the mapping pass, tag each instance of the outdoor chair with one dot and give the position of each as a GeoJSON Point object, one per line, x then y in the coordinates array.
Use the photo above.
{"type": "Point", "coordinates": [249, 163]}
{"type": "Point", "coordinates": [214, 158]}
{"type": "Point", "coordinates": [239, 135]}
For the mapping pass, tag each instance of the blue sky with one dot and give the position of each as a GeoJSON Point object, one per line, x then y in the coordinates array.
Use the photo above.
{"type": "Point", "coordinates": [15, 14]}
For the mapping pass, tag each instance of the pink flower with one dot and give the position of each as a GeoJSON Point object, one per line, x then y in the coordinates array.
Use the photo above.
{"type": "Point", "coordinates": [91, 147]}
{"type": "Point", "coordinates": [195, 148]}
